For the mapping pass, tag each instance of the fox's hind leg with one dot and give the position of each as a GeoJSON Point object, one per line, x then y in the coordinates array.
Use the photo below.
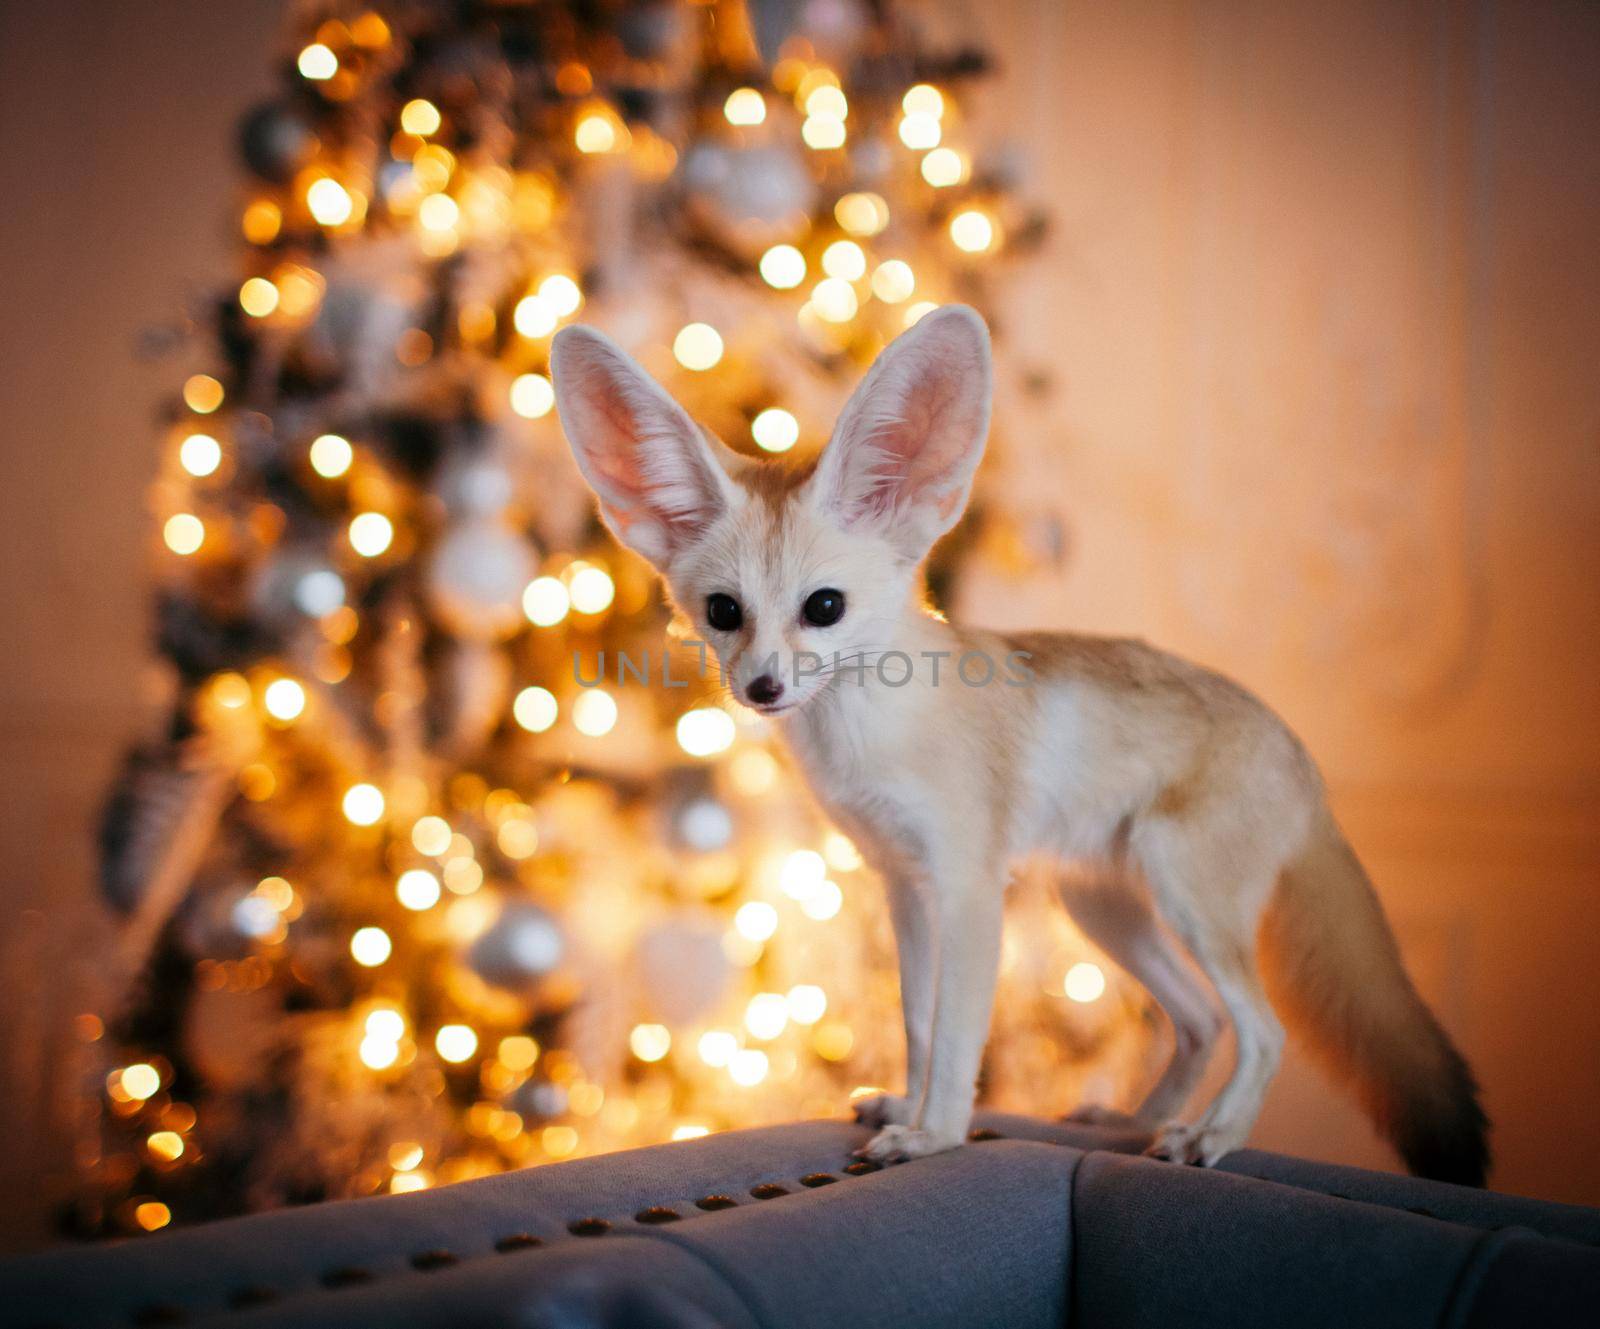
{"type": "Point", "coordinates": [1115, 913]}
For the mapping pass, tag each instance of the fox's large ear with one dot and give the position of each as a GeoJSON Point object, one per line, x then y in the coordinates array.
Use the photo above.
{"type": "Point", "coordinates": [907, 444]}
{"type": "Point", "coordinates": [658, 480]}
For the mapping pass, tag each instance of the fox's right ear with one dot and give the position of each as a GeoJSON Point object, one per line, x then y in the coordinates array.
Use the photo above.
{"type": "Point", "coordinates": [659, 483]}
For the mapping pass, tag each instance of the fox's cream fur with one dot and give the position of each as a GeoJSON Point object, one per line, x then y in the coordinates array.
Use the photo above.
{"type": "Point", "coordinates": [1202, 813]}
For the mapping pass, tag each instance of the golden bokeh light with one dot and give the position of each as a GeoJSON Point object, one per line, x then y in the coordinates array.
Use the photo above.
{"type": "Point", "coordinates": [284, 699]}
{"type": "Point", "coordinates": [317, 62]}
{"type": "Point", "coordinates": [745, 106]}
{"type": "Point", "coordinates": [972, 231]}
{"type": "Point", "coordinates": [535, 709]}
{"type": "Point", "coordinates": [561, 293]}
{"type": "Point", "coordinates": [545, 601]}
{"type": "Point", "coordinates": [202, 394]}
{"type": "Point", "coordinates": [329, 202]}
{"type": "Point", "coordinates": [183, 533]}
{"type": "Point", "coordinates": [431, 835]}
{"type": "Point", "coordinates": [370, 947]}
{"type": "Point", "coordinates": [594, 713]}
{"type": "Point", "coordinates": [200, 455]}
{"type": "Point", "coordinates": [535, 316]}
{"type": "Point", "coordinates": [363, 805]}
{"type": "Point", "coordinates": [893, 281]}
{"type": "Point", "coordinates": [455, 1042]}
{"type": "Point", "coordinates": [834, 299]}
{"type": "Point", "coordinates": [862, 213]}
{"type": "Point", "coordinates": [844, 259]}
{"type": "Point", "coordinates": [417, 889]}
{"type": "Point", "coordinates": [944, 167]}
{"type": "Point", "coordinates": [783, 267]}
{"type": "Point", "coordinates": [420, 117]}
{"type": "Point", "coordinates": [258, 297]}
{"type": "Point", "coordinates": [923, 99]}
{"type": "Point", "coordinates": [331, 455]}
{"type": "Point", "coordinates": [775, 430]}
{"type": "Point", "coordinates": [532, 396]}
{"type": "Point", "coordinates": [1085, 982]}
{"type": "Point", "coordinates": [591, 589]}
{"type": "Point", "coordinates": [371, 533]}
{"type": "Point", "coordinates": [706, 731]}
{"type": "Point", "coordinates": [650, 1042]}
{"type": "Point", "coordinates": [697, 346]}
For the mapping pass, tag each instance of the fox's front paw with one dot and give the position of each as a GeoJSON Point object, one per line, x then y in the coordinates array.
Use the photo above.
{"type": "Point", "coordinates": [896, 1144]}
{"type": "Point", "coordinates": [883, 1110]}
{"type": "Point", "coordinates": [1201, 1145]}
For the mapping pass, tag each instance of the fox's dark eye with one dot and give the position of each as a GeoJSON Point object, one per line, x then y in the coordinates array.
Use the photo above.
{"type": "Point", "coordinates": [824, 608]}
{"type": "Point", "coordinates": [723, 612]}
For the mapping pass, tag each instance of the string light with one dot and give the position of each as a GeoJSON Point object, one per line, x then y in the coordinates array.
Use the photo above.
{"type": "Point", "coordinates": [944, 167]}
{"type": "Point", "coordinates": [331, 455]}
{"type": "Point", "coordinates": [803, 872]}
{"type": "Point", "coordinates": [363, 804]}
{"type": "Point", "coordinates": [200, 454]}
{"type": "Point", "coordinates": [745, 106]}
{"type": "Point", "coordinates": [893, 281]}
{"type": "Point", "coordinates": [716, 1048]}
{"type": "Point", "coordinates": [535, 316]}
{"type": "Point", "coordinates": [844, 259]}
{"type": "Point", "coordinates": [370, 947]}
{"type": "Point", "coordinates": [861, 214]}
{"type": "Point", "coordinates": [916, 311]}
{"type": "Point", "coordinates": [140, 1081]}
{"type": "Point", "coordinates": [594, 713]}
{"type": "Point", "coordinates": [591, 589]}
{"type": "Point", "coordinates": [775, 430]}
{"type": "Point", "coordinates": [650, 1042]}
{"type": "Point", "coordinates": [258, 297]}
{"type": "Point", "coordinates": [706, 731]}
{"type": "Point", "coordinates": [823, 902]}
{"type": "Point", "coordinates": [561, 293]}
{"type": "Point", "coordinates": [923, 99]}
{"type": "Point", "coordinates": [749, 1067]}
{"type": "Point", "coordinates": [261, 222]}
{"type": "Point", "coordinates": [756, 920]}
{"type": "Point", "coordinates": [822, 133]}
{"type": "Point", "coordinates": [1085, 982]}
{"type": "Point", "coordinates": [972, 231]}
{"type": "Point", "coordinates": [806, 1003]}
{"type": "Point", "coordinates": [317, 62]}
{"type": "Point", "coordinates": [783, 267]}
{"type": "Point", "coordinates": [535, 709]}
{"type": "Point", "coordinates": [827, 101]}
{"type": "Point", "coordinates": [166, 1146]}
{"type": "Point", "coordinates": [152, 1215]}
{"type": "Point", "coordinates": [438, 212]}
{"type": "Point", "coordinates": [202, 394]}
{"type": "Point", "coordinates": [284, 699]}
{"type": "Point", "coordinates": [329, 201]}
{"type": "Point", "coordinates": [370, 533]}
{"type": "Point", "coordinates": [183, 533]}
{"type": "Point", "coordinates": [919, 132]}
{"type": "Point", "coordinates": [599, 131]}
{"type": "Point", "coordinates": [417, 889]}
{"type": "Point", "coordinates": [455, 1042]}
{"type": "Point", "coordinates": [532, 396]}
{"type": "Point", "coordinates": [545, 601]}
{"type": "Point", "coordinates": [835, 300]}
{"type": "Point", "coordinates": [697, 346]}
{"type": "Point", "coordinates": [431, 835]}
{"type": "Point", "coordinates": [420, 117]}
{"type": "Point", "coordinates": [765, 1015]}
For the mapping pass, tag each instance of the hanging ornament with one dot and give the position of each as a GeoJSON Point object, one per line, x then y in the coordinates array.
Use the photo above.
{"type": "Point", "coordinates": [521, 947]}
{"type": "Point", "coordinates": [276, 140]}
{"type": "Point", "coordinates": [749, 197]}
{"type": "Point", "coordinates": [476, 576]}
{"type": "Point", "coordinates": [295, 583]}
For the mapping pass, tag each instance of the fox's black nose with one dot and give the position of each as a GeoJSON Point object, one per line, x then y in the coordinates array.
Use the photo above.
{"type": "Point", "coordinates": [764, 690]}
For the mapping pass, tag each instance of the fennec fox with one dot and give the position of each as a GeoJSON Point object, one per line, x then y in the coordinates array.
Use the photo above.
{"type": "Point", "coordinates": [1201, 813]}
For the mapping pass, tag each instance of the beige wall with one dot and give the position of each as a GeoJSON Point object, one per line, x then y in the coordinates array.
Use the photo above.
{"type": "Point", "coordinates": [1323, 310]}
{"type": "Point", "coordinates": [1323, 307]}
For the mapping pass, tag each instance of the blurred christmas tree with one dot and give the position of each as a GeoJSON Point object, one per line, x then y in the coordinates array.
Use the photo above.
{"type": "Point", "coordinates": [406, 901]}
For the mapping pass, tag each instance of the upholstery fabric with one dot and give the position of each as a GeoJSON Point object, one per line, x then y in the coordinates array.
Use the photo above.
{"type": "Point", "coordinates": [1035, 1224]}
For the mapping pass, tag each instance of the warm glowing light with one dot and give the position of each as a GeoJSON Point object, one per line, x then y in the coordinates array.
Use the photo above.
{"type": "Point", "coordinates": [183, 532]}
{"type": "Point", "coordinates": [756, 920]}
{"type": "Point", "coordinates": [861, 214]}
{"type": "Point", "coordinates": [923, 99]}
{"type": "Point", "coordinates": [807, 1003]}
{"type": "Point", "coordinates": [317, 62]}
{"type": "Point", "coordinates": [833, 1041]}
{"type": "Point", "coordinates": [893, 281]}
{"type": "Point", "coordinates": [766, 1014]}
{"type": "Point", "coordinates": [561, 293]}
{"type": "Point", "coordinates": [748, 1067]}
{"type": "Point", "coordinates": [745, 106]}
{"type": "Point", "coordinates": [431, 836]}
{"type": "Point", "coordinates": [783, 267]}
{"type": "Point", "coordinates": [823, 902]}
{"type": "Point", "coordinates": [827, 101]}
{"type": "Point", "coordinates": [151, 1215]}
{"type": "Point", "coordinates": [438, 212]}
{"type": "Point", "coordinates": [532, 396]}
{"type": "Point", "coordinates": [591, 589]}
{"type": "Point", "coordinates": [944, 167]}
{"type": "Point", "coordinates": [417, 889]}
{"type": "Point", "coordinates": [370, 533]}
{"type": "Point", "coordinates": [519, 1052]}
{"type": "Point", "coordinates": [916, 311]}
{"type": "Point", "coordinates": [596, 132]}
{"type": "Point", "coordinates": [535, 316]}
{"type": "Point", "coordinates": [650, 1042]}
{"type": "Point", "coordinates": [919, 131]}
{"type": "Point", "coordinates": [386, 1024]}
{"type": "Point", "coordinates": [559, 1141]}
{"type": "Point", "coordinates": [331, 455]}
{"type": "Point", "coordinates": [689, 1131]}
{"type": "Point", "coordinates": [594, 713]}
{"type": "Point", "coordinates": [717, 1047]}
{"type": "Point", "coordinates": [363, 804]}
{"type": "Point", "coordinates": [775, 430]}
{"type": "Point", "coordinates": [545, 601]}
{"type": "Point", "coordinates": [972, 231]}
{"type": "Point", "coordinates": [230, 690]}
{"type": "Point", "coordinates": [165, 1145]}
{"type": "Point", "coordinates": [378, 1054]}
{"type": "Point", "coordinates": [754, 771]}
{"type": "Point", "coordinates": [455, 1042]}
{"type": "Point", "coordinates": [697, 346]}
{"type": "Point", "coordinates": [370, 946]}
{"type": "Point", "coordinates": [421, 117]}
{"type": "Point", "coordinates": [200, 454]}
{"type": "Point", "coordinates": [284, 699]}
{"type": "Point", "coordinates": [822, 133]}
{"type": "Point", "coordinates": [403, 1183]}
{"type": "Point", "coordinates": [844, 259]}
{"type": "Point", "coordinates": [803, 871]}
{"type": "Point", "coordinates": [463, 875]}
{"type": "Point", "coordinates": [535, 709]}
{"type": "Point", "coordinates": [202, 394]}
{"type": "Point", "coordinates": [706, 731]}
{"type": "Point", "coordinates": [1084, 982]}
{"type": "Point", "coordinates": [517, 838]}
{"type": "Point", "coordinates": [258, 297]}
{"type": "Point", "coordinates": [140, 1081]}
{"type": "Point", "coordinates": [329, 201]}
{"type": "Point", "coordinates": [841, 852]}
{"type": "Point", "coordinates": [834, 299]}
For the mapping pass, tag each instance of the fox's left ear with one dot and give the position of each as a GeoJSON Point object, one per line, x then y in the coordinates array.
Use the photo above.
{"type": "Point", "coordinates": [909, 440]}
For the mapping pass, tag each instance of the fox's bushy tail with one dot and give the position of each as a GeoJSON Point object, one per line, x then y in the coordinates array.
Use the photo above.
{"type": "Point", "coordinates": [1333, 970]}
